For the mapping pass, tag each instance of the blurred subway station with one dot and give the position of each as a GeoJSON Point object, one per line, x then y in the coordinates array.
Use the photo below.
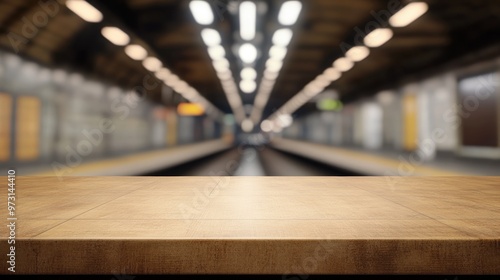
{"type": "Point", "coordinates": [169, 89]}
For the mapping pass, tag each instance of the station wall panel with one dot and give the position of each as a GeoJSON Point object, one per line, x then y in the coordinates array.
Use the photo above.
{"type": "Point", "coordinates": [5, 126]}
{"type": "Point", "coordinates": [27, 128]}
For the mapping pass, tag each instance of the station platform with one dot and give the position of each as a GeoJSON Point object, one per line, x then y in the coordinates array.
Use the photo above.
{"type": "Point", "coordinates": [130, 165]}
{"type": "Point", "coordinates": [387, 162]}
{"type": "Point", "coordinates": [256, 225]}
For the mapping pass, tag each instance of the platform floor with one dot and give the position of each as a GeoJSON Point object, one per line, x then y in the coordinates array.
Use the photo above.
{"type": "Point", "coordinates": [388, 162]}
{"type": "Point", "coordinates": [256, 225]}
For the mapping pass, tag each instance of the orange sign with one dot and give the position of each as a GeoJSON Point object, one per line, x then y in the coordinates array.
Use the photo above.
{"type": "Point", "coordinates": [190, 109]}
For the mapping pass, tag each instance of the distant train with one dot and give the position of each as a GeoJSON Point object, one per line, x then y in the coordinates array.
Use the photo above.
{"type": "Point", "coordinates": [455, 112]}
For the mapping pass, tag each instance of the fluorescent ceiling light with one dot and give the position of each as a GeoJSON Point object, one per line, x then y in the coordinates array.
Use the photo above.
{"type": "Point", "coordinates": [282, 37]}
{"type": "Point", "coordinates": [172, 80]}
{"type": "Point", "coordinates": [84, 10]}
{"type": "Point", "coordinates": [277, 129]}
{"type": "Point", "coordinates": [274, 65]}
{"type": "Point", "coordinates": [211, 37]}
{"type": "Point", "coordinates": [136, 52]}
{"type": "Point", "coordinates": [226, 75]}
{"type": "Point", "coordinates": [180, 86]}
{"type": "Point", "coordinates": [321, 81]}
{"type": "Point", "coordinates": [248, 73]}
{"type": "Point", "coordinates": [266, 126]}
{"type": "Point", "coordinates": [248, 53]}
{"type": "Point", "coordinates": [190, 93]}
{"type": "Point", "coordinates": [248, 18]}
{"type": "Point", "coordinates": [216, 52]}
{"type": "Point", "coordinates": [115, 35]}
{"type": "Point", "coordinates": [269, 75]}
{"type": "Point", "coordinates": [202, 12]}
{"type": "Point", "coordinates": [247, 125]}
{"type": "Point", "coordinates": [357, 53]}
{"type": "Point", "coordinates": [221, 65]}
{"type": "Point", "coordinates": [332, 74]}
{"type": "Point", "coordinates": [153, 64]}
{"type": "Point", "coordinates": [248, 86]}
{"type": "Point", "coordinates": [311, 90]}
{"type": "Point", "coordinates": [289, 12]}
{"type": "Point", "coordinates": [277, 52]}
{"type": "Point", "coordinates": [285, 120]}
{"type": "Point", "coordinates": [378, 37]}
{"type": "Point", "coordinates": [343, 64]}
{"type": "Point", "coordinates": [163, 74]}
{"type": "Point", "coordinates": [408, 14]}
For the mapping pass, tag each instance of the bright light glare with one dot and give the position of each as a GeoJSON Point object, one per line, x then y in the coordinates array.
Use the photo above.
{"type": "Point", "coordinates": [378, 37]}
{"type": "Point", "coordinates": [221, 65]}
{"type": "Point", "coordinates": [211, 37]}
{"type": "Point", "coordinates": [357, 53]}
{"type": "Point", "coordinates": [163, 74]}
{"type": "Point", "coordinates": [285, 120]}
{"type": "Point", "coordinates": [136, 52]}
{"type": "Point", "coordinates": [84, 10]}
{"type": "Point", "coordinates": [248, 53]}
{"type": "Point", "coordinates": [343, 64]}
{"type": "Point", "coordinates": [266, 126]}
{"type": "Point", "coordinates": [248, 73]}
{"type": "Point", "coordinates": [271, 75]}
{"type": "Point", "coordinates": [289, 12]}
{"type": "Point", "coordinates": [248, 18]}
{"type": "Point", "coordinates": [202, 12]}
{"type": "Point", "coordinates": [282, 37]}
{"type": "Point", "coordinates": [332, 74]}
{"type": "Point", "coordinates": [247, 125]}
{"type": "Point", "coordinates": [172, 80]}
{"type": "Point", "coordinates": [115, 35]}
{"type": "Point", "coordinates": [408, 14]}
{"type": "Point", "coordinates": [274, 65]}
{"type": "Point", "coordinates": [277, 52]}
{"type": "Point", "coordinates": [248, 86]}
{"type": "Point", "coordinates": [224, 75]}
{"type": "Point", "coordinates": [153, 64]}
{"type": "Point", "coordinates": [216, 52]}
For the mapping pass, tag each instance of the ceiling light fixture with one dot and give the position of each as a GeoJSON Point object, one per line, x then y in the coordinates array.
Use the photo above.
{"type": "Point", "coordinates": [136, 52]}
{"type": "Point", "coordinates": [211, 37]}
{"type": "Point", "coordinates": [248, 73]}
{"type": "Point", "coordinates": [357, 53]}
{"type": "Point", "coordinates": [221, 65]}
{"type": "Point", "coordinates": [163, 74]}
{"type": "Point", "coordinates": [289, 12]}
{"type": "Point", "coordinates": [115, 35]}
{"type": "Point", "coordinates": [378, 37]}
{"type": "Point", "coordinates": [202, 12]}
{"type": "Point", "coordinates": [84, 10]}
{"type": "Point", "coordinates": [277, 52]}
{"type": "Point", "coordinates": [332, 74]}
{"type": "Point", "coordinates": [248, 53]}
{"type": "Point", "coordinates": [247, 125]}
{"type": "Point", "coordinates": [274, 65]}
{"type": "Point", "coordinates": [248, 19]}
{"type": "Point", "coordinates": [343, 64]}
{"type": "Point", "coordinates": [248, 86]}
{"type": "Point", "coordinates": [282, 37]}
{"type": "Point", "coordinates": [408, 14]}
{"type": "Point", "coordinates": [216, 52]}
{"type": "Point", "coordinates": [153, 64]}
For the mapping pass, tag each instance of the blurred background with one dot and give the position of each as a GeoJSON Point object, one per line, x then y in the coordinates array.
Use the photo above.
{"type": "Point", "coordinates": [224, 87]}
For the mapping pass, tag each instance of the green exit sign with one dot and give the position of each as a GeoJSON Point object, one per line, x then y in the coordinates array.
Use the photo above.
{"type": "Point", "coordinates": [329, 105]}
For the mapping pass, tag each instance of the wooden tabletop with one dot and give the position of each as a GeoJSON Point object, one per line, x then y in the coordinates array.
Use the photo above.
{"type": "Point", "coordinates": [255, 225]}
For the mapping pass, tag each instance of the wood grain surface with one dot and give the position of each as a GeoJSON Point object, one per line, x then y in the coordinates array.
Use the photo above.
{"type": "Point", "coordinates": [255, 225]}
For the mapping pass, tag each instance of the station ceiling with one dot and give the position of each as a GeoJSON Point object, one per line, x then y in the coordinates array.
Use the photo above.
{"type": "Point", "coordinates": [450, 29]}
